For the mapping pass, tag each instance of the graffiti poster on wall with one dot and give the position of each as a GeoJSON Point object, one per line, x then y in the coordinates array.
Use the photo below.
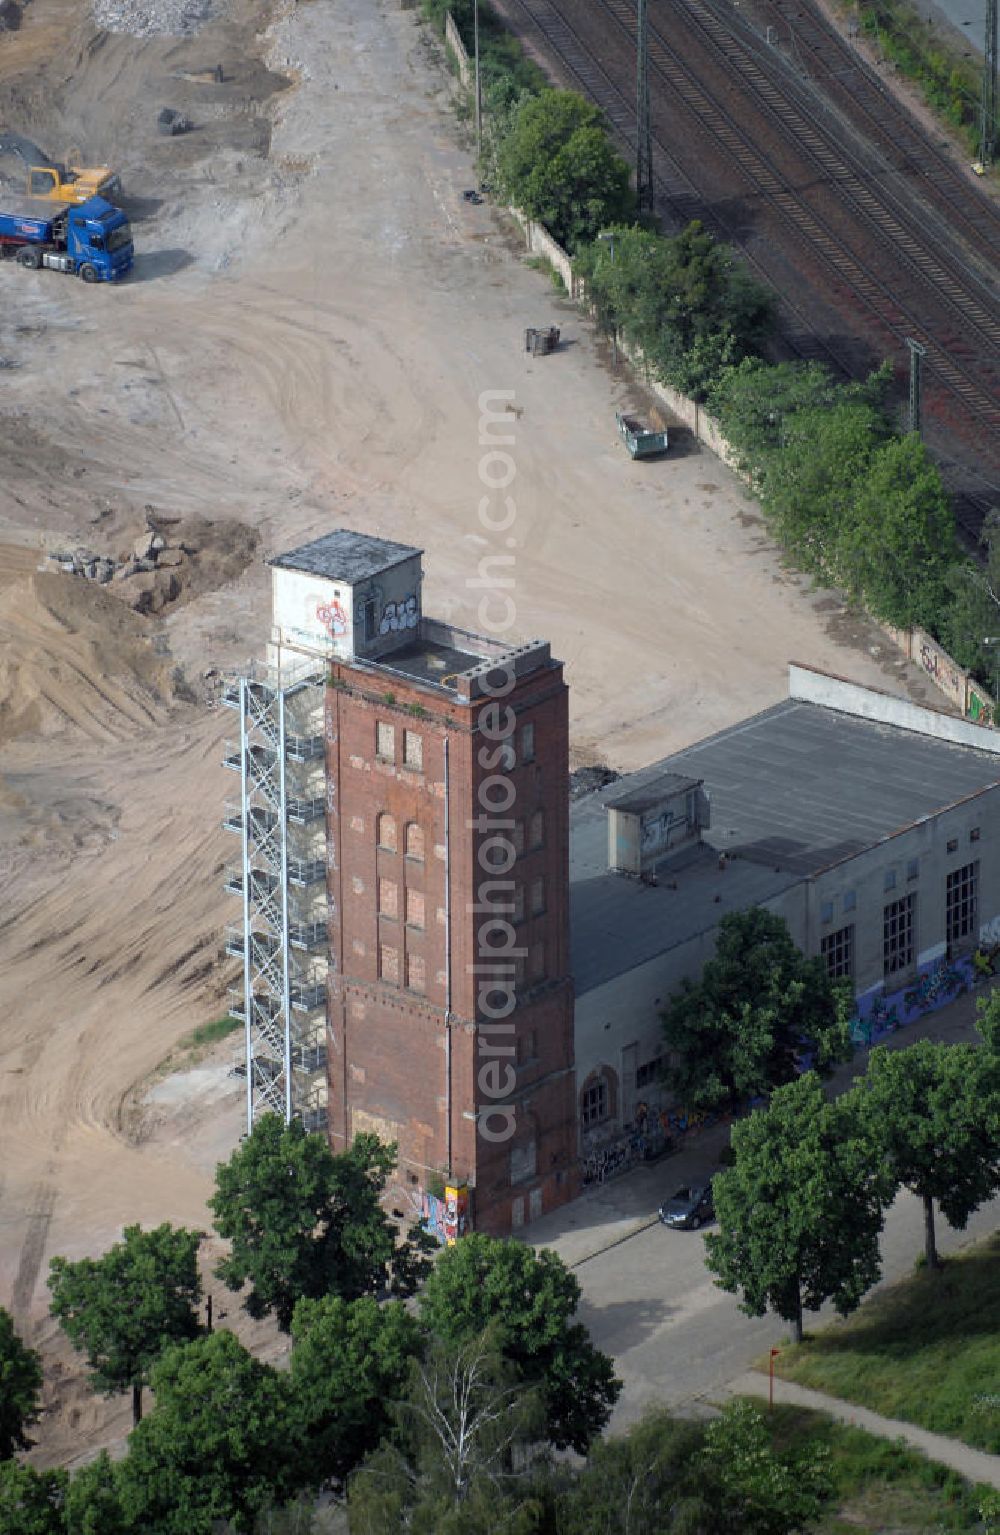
{"type": "Point", "coordinates": [881, 1013]}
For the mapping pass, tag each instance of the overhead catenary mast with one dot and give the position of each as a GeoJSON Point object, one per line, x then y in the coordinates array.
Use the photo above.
{"type": "Point", "coordinates": [644, 132]}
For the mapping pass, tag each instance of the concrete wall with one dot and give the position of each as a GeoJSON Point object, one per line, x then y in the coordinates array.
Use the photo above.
{"type": "Point", "coordinates": [453, 39]}
{"type": "Point", "coordinates": [867, 703]}
{"type": "Point", "coordinates": [541, 243]}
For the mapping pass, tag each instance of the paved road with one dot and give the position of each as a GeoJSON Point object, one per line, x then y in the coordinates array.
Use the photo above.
{"type": "Point", "coordinates": [650, 1302]}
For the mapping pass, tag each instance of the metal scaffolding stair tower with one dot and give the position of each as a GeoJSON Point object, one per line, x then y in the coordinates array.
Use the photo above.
{"type": "Point", "coordinates": [280, 818]}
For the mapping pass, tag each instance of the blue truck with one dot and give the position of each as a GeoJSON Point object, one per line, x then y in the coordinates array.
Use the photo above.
{"type": "Point", "coordinates": [92, 239]}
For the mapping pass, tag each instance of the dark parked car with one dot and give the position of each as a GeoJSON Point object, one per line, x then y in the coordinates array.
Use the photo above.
{"type": "Point", "coordinates": [689, 1208]}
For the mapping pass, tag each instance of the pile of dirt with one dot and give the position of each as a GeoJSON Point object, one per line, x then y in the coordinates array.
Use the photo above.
{"type": "Point", "coordinates": [171, 561]}
{"type": "Point", "coordinates": [71, 656]}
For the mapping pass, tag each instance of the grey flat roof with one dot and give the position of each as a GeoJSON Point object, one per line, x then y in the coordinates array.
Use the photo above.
{"type": "Point", "coordinates": [647, 789]}
{"type": "Point", "coordinates": [792, 790]}
{"type": "Point", "coordinates": [429, 661]}
{"type": "Point", "coordinates": [345, 556]}
{"type": "Point", "coordinates": [804, 786]}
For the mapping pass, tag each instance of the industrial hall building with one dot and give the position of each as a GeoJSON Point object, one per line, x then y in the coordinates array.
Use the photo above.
{"type": "Point", "coordinates": [437, 947]}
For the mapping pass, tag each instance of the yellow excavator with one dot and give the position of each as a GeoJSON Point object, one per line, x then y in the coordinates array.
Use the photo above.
{"type": "Point", "coordinates": [74, 183]}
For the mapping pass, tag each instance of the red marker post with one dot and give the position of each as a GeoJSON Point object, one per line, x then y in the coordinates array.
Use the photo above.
{"type": "Point", "coordinates": [770, 1377]}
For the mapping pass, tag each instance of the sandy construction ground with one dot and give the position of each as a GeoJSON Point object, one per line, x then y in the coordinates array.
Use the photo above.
{"type": "Point", "coordinates": [314, 314]}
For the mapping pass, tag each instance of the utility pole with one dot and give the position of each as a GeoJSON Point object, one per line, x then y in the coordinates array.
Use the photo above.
{"type": "Point", "coordinates": [917, 354]}
{"type": "Point", "coordinates": [643, 129]}
{"type": "Point", "coordinates": [988, 115]}
{"type": "Point", "coordinates": [479, 91]}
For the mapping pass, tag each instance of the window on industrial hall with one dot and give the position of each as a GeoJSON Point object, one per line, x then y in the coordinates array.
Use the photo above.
{"type": "Point", "coordinates": [416, 972]}
{"type": "Point", "coordinates": [961, 902]}
{"type": "Point", "coordinates": [387, 833]}
{"type": "Point", "coordinates": [385, 742]}
{"type": "Point", "coordinates": [519, 903]}
{"type": "Point", "coordinates": [537, 836]}
{"type": "Point", "coordinates": [413, 750]}
{"type": "Point", "coordinates": [594, 1103]}
{"type": "Point", "coordinates": [897, 934]}
{"type": "Point", "coordinates": [517, 837]}
{"type": "Point", "coordinates": [414, 842]}
{"type": "Point", "coordinates": [527, 743]}
{"type": "Point", "coordinates": [414, 908]}
{"type": "Point", "coordinates": [838, 951]}
{"type": "Point", "coordinates": [537, 897]}
{"type": "Point", "coordinates": [388, 898]}
{"type": "Point", "coordinates": [536, 962]}
{"type": "Point", "coordinates": [388, 964]}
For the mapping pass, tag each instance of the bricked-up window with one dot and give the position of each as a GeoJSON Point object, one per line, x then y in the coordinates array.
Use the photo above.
{"type": "Point", "coordinates": [517, 837]}
{"type": "Point", "coordinates": [536, 835]}
{"type": "Point", "coordinates": [388, 964]}
{"type": "Point", "coordinates": [413, 750]}
{"type": "Point", "coordinates": [416, 972]}
{"type": "Point", "coordinates": [838, 951]}
{"type": "Point", "coordinates": [897, 934]}
{"type": "Point", "coordinates": [594, 1103]}
{"type": "Point", "coordinates": [519, 903]}
{"type": "Point", "coordinates": [961, 902]}
{"type": "Point", "coordinates": [414, 842]}
{"type": "Point", "coordinates": [385, 742]}
{"type": "Point", "coordinates": [536, 962]}
{"type": "Point", "coordinates": [649, 1072]}
{"type": "Point", "coordinates": [414, 908]}
{"type": "Point", "coordinates": [527, 1046]}
{"type": "Point", "coordinates": [537, 897]}
{"type": "Point", "coordinates": [527, 743]}
{"type": "Point", "coordinates": [387, 833]}
{"type": "Point", "coordinates": [388, 898]}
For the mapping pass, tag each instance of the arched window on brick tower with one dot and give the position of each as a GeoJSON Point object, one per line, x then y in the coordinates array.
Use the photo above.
{"type": "Point", "coordinates": [386, 832]}
{"type": "Point", "coordinates": [414, 844]}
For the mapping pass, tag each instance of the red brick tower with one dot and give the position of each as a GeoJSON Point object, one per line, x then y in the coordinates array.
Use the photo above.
{"type": "Point", "coordinates": [450, 1010]}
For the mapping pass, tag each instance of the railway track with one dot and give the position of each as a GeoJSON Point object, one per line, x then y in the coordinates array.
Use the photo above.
{"type": "Point", "coordinates": [849, 82]}
{"type": "Point", "coordinates": [943, 301]}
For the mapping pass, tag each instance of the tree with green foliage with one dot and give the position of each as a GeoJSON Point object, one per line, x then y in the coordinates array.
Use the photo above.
{"type": "Point", "coordinates": [684, 301]}
{"type": "Point", "coordinates": [808, 490]}
{"type": "Point", "coordinates": [760, 1492]}
{"type": "Point", "coordinates": [933, 1113]}
{"type": "Point", "coordinates": [645, 1482]}
{"type": "Point", "coordinates": [558, 166]}
{"type": "Point", "coordinates": [756, 401]}
{"type": "Point", "coordinates": [20, 1388]}
{"type": "Point", "coordinates": [306, 1223]}
{"type": "Point", "coordinates": [529, 1300]}
{"type": "Point", "coordinates": [350, 1360]}
{"type": "Point", "coordinates": [972, 607]}
{"type": "Point", "coordinates": [988, 1020]}
{"type": "Point", "coordinates": [93, 1500]}
{"type": "Point", "coordinates": [896, 543]}
{"type": "Point", "coordinates": [32, 1502]}
{"type": "Point", "coordinates": [742, 1029]}
{"type": "Point", "coordinates": [464, 1450]}
{"type": "Point", "coordinates": [123, 1309]}
{"type": "Point", "coordinates": [217, 1444]}
{"type": "Point", "coordinates": [801, 1208]}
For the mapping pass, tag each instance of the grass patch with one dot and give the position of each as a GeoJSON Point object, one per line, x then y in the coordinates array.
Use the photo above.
{"type": "Point", "coordinates": [926, 1350]}
{"type": "Point", "coordinates": [193, 1047]}
{"type": "Point", "coordinates": [878, 1485]}
{"type": "Point", "coordinates": [208, 1033]}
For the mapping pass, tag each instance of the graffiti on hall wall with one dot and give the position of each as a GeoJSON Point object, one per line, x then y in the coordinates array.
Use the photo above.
{"type": "Point", "coordinates": [399, 615]}
{"type": "Point", "coordinates": [881, 1013]}
{"type": "Point", "coordinates": [980, 710]}
{"type": "Point", "coordinates": [333, 618]}
{"type": "Point", "coordinates": [939, 666]}
{"type": "Point", "coordinates": [446, 1219]}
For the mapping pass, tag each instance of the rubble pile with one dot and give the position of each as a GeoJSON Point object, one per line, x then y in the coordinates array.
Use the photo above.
{"type": "Point", "coordinates": [151, 570]}
{"type": "Point", "coordinates": [152, 18]}
{"type": "Point", "coordinates": [171, 560]}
